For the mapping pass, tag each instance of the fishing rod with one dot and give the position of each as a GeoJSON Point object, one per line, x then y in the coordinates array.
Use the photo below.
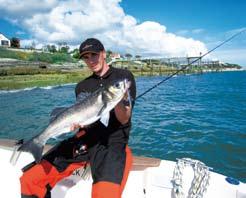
{"type": "Point", "coordinates": [184, 67]}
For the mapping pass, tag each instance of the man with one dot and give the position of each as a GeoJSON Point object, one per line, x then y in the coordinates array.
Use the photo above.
{"type": "Point", "coordinates": [104, 148]}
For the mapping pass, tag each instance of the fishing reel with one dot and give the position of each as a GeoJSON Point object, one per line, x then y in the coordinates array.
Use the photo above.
{"type": "Point", "coordinates": [80, 149]}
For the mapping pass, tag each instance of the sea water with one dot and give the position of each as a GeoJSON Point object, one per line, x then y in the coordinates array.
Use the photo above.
{"type": "Point", "coordinates": [197, 116]}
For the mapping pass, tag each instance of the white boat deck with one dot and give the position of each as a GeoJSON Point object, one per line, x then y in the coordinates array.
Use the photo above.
{"type": "Point", "coordinates": [149, 178]}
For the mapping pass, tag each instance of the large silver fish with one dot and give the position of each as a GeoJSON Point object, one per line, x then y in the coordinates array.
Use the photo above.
{"type": "Point", "coordinates": [86, 111]}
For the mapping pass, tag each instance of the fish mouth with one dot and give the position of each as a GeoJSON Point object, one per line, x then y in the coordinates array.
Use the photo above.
{"type": "Point", "coordinates": [116, 91]}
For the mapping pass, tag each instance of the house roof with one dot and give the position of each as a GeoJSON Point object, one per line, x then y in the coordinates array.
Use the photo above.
{"type": "Point", "coordinates": [2, 37]}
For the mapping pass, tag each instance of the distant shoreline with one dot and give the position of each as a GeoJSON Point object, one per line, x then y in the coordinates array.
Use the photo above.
{"type": "Point", "coordinates": [20, 69]}
{"type": "Point", "coordinates": [22, 82]}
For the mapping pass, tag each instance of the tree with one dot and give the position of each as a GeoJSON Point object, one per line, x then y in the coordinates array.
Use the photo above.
{"type": "Point", "coordinates": [137, 56]}
{"type": "Point", "coordinates": [15, 42]}
{"type": "Point", "coordinates": [51, 48]}
{"type": "Point", "coordinates": [128, 56]}
{"type": "Point", "coordinates": [75, 53]}
{"type": "Point", "coordinates": [64, 49]}
{"type": "Point", "coordinates": [108, 53]}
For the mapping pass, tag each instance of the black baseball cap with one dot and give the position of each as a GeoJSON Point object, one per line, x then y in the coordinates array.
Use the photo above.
{"type": "Point", "coordinates": [92, 45]}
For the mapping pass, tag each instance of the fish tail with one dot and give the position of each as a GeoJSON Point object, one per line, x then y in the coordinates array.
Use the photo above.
{"type": "Point", "coordinates": [31, 146]}
{"type": "Point", "coordinates": [16, 154]}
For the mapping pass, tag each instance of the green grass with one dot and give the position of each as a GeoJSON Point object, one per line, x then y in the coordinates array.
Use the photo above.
{"type": "Point", "coordinates": [40, 80]}
{"type": "Point", "coordinates": [24, 77]}
{"type": "Point", "coordinates": [51, 58]}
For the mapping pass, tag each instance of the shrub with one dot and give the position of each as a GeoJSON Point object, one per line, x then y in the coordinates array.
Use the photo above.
{"type": "Point", "coordinates": [41, 57]}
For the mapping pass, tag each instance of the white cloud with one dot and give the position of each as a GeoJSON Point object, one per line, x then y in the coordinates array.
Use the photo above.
{"type": "Point", "coordinates": [189, 32]}
{"type": "Point", "coordinates": [151, 39]}
{"type": "Point", "coordinates": [51, 21]}
{"type": "Point", "coordinates": [197, 31]}
{"type": "Point", "coordinates": [22, 9]}
{"type": "Point", "coordinates": [20, 33]}
{"type": "Point", "coordinates": [183, 32]}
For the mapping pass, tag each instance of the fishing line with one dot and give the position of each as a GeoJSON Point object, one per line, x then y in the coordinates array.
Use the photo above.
{"type": "Point", "coordinates": [184, 67]}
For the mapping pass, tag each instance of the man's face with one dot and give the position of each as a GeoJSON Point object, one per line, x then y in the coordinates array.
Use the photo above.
{"type": "Point", "coordinates": [95, 61]}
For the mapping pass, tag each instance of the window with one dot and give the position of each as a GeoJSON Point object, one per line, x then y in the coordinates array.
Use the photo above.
{"type": "Point", "coordinates": [5, 42]}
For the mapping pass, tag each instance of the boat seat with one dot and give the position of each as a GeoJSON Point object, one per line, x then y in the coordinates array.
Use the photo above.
{"type": "Point", "coordinates": [141, 163]}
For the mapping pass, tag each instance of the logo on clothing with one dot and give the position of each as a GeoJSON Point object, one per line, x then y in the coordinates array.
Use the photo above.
{"type": "Point", "coordinates": [87, 46]}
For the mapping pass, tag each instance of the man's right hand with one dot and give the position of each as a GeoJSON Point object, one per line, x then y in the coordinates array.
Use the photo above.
{"type": "Point", "coordinates": [81, 131]}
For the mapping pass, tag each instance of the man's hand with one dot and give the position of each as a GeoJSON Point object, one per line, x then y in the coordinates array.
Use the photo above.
{"type": "Point", "coordinates": [81, 131]}
{"type": "Point", "coordinates": [123, 111]}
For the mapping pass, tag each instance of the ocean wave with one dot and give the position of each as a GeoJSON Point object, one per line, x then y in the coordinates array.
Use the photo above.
{"type": "Point", "coordinates": [48, 87]}
{"type": "Point", "coordinates": [17, 90]}
{"type": "Point", "coordinates": [32, 88]}
{"type": "Point", "coordinates": [56, 86]}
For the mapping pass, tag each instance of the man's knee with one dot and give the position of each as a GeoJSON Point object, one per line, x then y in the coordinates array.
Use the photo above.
{"type": "Point", "coordinates": [26, 181]}
{"type": "Point", "coordinates": [30, 189]}
{"type": "Point", "coordinates": [34, 181]}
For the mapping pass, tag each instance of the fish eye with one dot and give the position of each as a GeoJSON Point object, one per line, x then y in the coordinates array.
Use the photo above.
{"type": "Point", "coordinates": [117, 85]}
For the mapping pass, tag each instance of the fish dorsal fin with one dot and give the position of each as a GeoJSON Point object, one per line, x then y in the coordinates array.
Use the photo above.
{"type": "Point", "coordinates": [105, 119]}
{"type": "Point", "coordinates": [82, 96]}
{"type": "Point", "coordinates": [56, 112]}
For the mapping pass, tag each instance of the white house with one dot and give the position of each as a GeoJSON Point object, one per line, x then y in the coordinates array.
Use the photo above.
{"type": "Point", "coordinates": [114, 56]}
{"type": "Point", "coordinates": [4, 41]}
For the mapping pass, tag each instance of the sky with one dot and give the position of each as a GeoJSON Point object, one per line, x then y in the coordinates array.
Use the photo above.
{"type": "Point", "coordinates": [157, 28]}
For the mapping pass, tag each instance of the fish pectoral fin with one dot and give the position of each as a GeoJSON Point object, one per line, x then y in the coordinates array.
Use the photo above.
{"type": "Point", "coordinates": [102, 109]}
{"type": "Point", "coordinates": [105, 119]}
{"type": "Point", "coordinates": [104, 114]}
